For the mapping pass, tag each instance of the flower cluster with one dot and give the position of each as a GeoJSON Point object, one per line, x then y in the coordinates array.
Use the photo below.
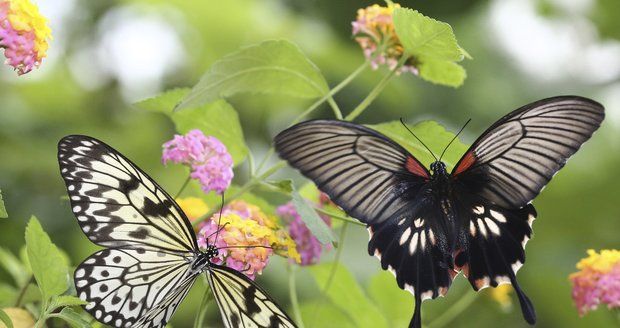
{"type": "Point", "coordinates": [501, 294]}
{"type": "Point", "coordinates": [208, 158]}
{"type": "Point", "coordinates": [598, 281]}
{"type": "Point", "coordinates": [24, 34]}
{"type": "Point", "coordinates": [309, 247]}
{"type": "Point", "coordinates": [374, 31]}
{"type": "Point", "coordinates": [246, 239]}
{"type": "Point", "coordinates": [193, 207]}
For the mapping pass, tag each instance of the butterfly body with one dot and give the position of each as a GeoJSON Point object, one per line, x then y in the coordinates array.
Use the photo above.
{"type": "Point", "coordinates": [427, 226]}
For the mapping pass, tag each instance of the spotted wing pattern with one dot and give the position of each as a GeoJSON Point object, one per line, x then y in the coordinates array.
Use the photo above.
{"type": "Point", "coordinates": [117, 204]}
{"type": "Point", "coordinates": [361, 170]}
{"type": "Point", "coordinates": [122, 285]}
{"type": "Point", "coordinates": [242, 303]}
{"type": "Point", "coordinates": [158, 316]}
{"type": "Point", "coordinates": [517, 156]}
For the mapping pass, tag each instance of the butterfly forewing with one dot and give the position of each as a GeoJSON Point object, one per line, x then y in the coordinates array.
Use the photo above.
{"type": "Point", "coordinates": [122, 285]}
{"type": "Point", "coordinates": [517, 156]}
{"type": "Point", "coordinates": [117, 204]}
{"type": "Point", "coordinates": [243, 303]}
{"type": "Point", "coordinates": [362, 171]}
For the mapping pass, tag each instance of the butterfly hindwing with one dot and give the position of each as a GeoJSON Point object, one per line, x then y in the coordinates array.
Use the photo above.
{"type": "Point", "coordinates": [368, 175]}
{"type": "Point", "coordinates": [116, 203]}
{"type": "Point", "coordinates": [242, 303]}
{"type": "Point", "coordinates": [122, 285]}
{"type": "Point", "coordinates": [158, 316]}
{"type": "Point", "coordinates": [517, 156]}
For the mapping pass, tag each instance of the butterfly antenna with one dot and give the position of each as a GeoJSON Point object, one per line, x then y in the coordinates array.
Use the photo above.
{"type": "Point", "coordinates": [455, 136]}
{"type": "Point", "coordinates": [406, 127]}
{"type": "Point", "coordinates": [219, 219]}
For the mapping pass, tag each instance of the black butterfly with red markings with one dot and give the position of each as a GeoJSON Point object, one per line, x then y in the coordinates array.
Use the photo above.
{"type": "Point", "coordinates": [426, 226]}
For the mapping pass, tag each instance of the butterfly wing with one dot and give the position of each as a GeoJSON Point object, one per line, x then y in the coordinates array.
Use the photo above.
{"type": "Point", "coordinates": [517, 156]}
{"type": "Point", "coordinates": [502, 172]}
{"type": "Point", "coordinates": [242, 303]}
{"type": "Point", "coordinates": [122, 285]}
{"type": "Point", "coordinates": [116, 203]}
{"type": "Point", "coordinates": [368, 175]}
{"type": "Point", "coordinates": [158, 316]}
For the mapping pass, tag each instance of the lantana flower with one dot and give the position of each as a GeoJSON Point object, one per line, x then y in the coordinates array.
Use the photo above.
{"type": "Point", "coordinates": [308, 246]}
{"type": "Point", "coordinates": [374, 32]}
{"type": "Point", "coordinates": [501, 294]}
{"type": "Point", "coordinates": [598, 281]}
{"type": "Point", "coordinates": [246, 239]}
{"type": "Point", "coordinates": [207, 157]}
{"type": "Point", "coordinates": [193, 207]}
{"type": "Point", "coordinates": [24, 34]}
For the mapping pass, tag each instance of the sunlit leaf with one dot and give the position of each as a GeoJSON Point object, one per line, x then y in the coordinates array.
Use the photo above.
{"type": "Point", "coordinates": [323, 314]}
{"type": "Point", "coordinates": [48, 264]}
{"type": "Point", "coordinates": [218, 119]}
{"type": "Point", "coordinates": [65, 300]}
{"type": "Point", "coordinates": [285, 186]}
{"type": "Point", "coordinates": [13, 266]}
{"type": "Point", "coordinates": [346, 294]}
{"type": "Point", "coordinates": [73, 318]}
{"type": "Point", "coordinates": [20, 318]}
{"type": "Point", "coordinates": [434, 136]}
{"type": "Point", "coordinates": [3, 213]}
{"type": "Point", "coordinates": [394, 303]}
{"type": "Point", "coordinates": [274, 67]}
{"type": "Point", "coordinates": [6, 320]}
{"type": "Point", "coordinates": [313, 221]}
{"type": "Point", "coordinates": [442, 72]}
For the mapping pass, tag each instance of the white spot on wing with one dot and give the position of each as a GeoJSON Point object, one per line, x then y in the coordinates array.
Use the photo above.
{"type": "Point", "coordinates": [422, 240]}
{"type": "Point", "coordinates": [401, 221]}
{"type": "Point", "coordinates": [482, 227]}
{"type": "Point", "coordinates": [492, 226]}
{"type": "Point", "coordinates": [413, 244]}
{"type": "Point", "coordinates": [530, 220]}
{"type": "Point", "coordinates": [516, 266]}
{"type": "Point", "coordinates": [409, 288]}
{"type": "Point", "coordinates": [404, 237]}
{"type": "Point", "coordinates": [427, 295]}
{"type": "Point", "coordinates": [498, 216]}
{"type": "Point", "coordinates": [479, 210]}
{"type": "Point", "coordinates": [418, 223]}
{"type": "Point", "coordinates": [472, 228]}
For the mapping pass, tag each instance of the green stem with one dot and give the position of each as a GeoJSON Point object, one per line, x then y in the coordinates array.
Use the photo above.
{"type": "Point", "coordinates": [292, 289]}
{"type": "Point", "coordinates": [453, 311]}
{"type": "Point", "coordinates": [183, 187]}
{"type": "Point", "coordinates": [375, 91]}
{"type": "Point", "coordinates": [22, 292]}
{"type": "Point", "coordinates": [335, 108]}
{"type": "Point", "coordinates": [346, 219]}
{"type": "Point", "coordinates": [202, 310]}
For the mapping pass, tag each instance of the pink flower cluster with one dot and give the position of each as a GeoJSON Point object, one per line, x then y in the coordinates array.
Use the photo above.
{"type": "Point", "coordinates": [23, 35]}
{"type": "Point", "coordinates": [598, 281]}
{"type": "Point", "coordinates": [309, 248]}
{"type": "Point", "coordinates": [208, 158]}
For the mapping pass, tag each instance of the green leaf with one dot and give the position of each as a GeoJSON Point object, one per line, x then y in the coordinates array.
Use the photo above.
{"type": "Point", "coordinates": [424, 37]}
{"type": "Point", "coordinates": [395, 304]}
{"type": "Point", "coordinates": [285, 186]}
{"type": "Point", "coordinates": [346, 294]}
{"type": "Point", "coordinates": [218, 119]}
{"type": "Point", "coordinates": [14, 267]}
{"type": "Point", "coordinates": [442, 72]}
{"type": "Point", "coordinates": [273, 67]}
{"type": "Point", "coordinates": [323, 314]}
{"type": "Point", "coordinates": [6, 319]}
{"type": "Point", "coordinates": [433, 45]}
{"type": "Point", "coordinates": [65, 300]}
{"type": "Point", "coordinates": [434, 136]}
{"type": "Point", "coordinates": [313, 221]}
{"type": "Point", "coordinates": [3, 213]}
{"type": "Point", "coordinates": [73, 318]}
{"type": "Point", "coordinates": [48, 264]}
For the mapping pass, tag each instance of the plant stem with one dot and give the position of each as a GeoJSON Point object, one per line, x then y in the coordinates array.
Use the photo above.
{"type": "Point", "coordinates": [334, 107]}
{"type": "Point", "coordinates": [202, 310]}
{"type": "Point", "coordinates": [375, 91]}
{"type": "Point", "coordinates": [22, 292]}
{"type": "Point", "coordinates": [346, 219]}
{"type": "Point", "coordinates": [453, 311]}
{"type": "Point", "coordinates": [292, 289]}
{"type": "Point", "coordinates": [183, 187]}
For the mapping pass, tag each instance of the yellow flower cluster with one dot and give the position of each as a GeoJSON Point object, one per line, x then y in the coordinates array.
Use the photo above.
{"type": "Point", "coordinates": [193, 207]}
{"type": "Point", "coordinates": [24, 16]}
{"type": "Point", "coordinates": [501, 294]}
{"type": "Point", "coordinates": [603, 262]}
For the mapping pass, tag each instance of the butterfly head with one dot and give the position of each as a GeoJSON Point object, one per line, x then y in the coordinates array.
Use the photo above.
{"type": "Point", "coordinates": [212, 252]}
{"type": "Point", "coordinates": [438, 168]}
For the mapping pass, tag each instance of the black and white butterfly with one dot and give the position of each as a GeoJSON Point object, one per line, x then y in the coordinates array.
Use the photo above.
{"type": "Point", "coordinates": [151, 257]}
{"type": "Point", "coordinates": [426, 226]}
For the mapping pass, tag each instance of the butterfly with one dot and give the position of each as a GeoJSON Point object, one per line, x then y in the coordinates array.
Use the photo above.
{"type": "Point", "coordinates": [427, 226]}
{"type": "Point", "coordinates": [151, 257]}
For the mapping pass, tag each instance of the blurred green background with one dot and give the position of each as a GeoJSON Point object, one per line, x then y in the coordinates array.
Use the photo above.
{"type": "Point", "coordinates": [107, 55]}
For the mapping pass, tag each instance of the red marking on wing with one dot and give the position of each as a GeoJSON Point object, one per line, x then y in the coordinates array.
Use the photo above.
{"type": "Point", "coordinates": [465, 163]}
{"type": "Point", "coordinates": [414, 167]}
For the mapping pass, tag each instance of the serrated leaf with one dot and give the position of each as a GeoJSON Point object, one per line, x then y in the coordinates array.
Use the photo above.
{"type": "Point", "coordinates": [3, 213]}
{"type": "Point", "coordinates": [13, 266]}
{"type": "Point", "coordinates": [442, 72]}
{"type": "Point", "coordinates": [434, 136]}
{"type": "Point", "coordinates": [346, 294]}
{"type": "Point", "coordinates": [425, 37]}
{"type": "Point", "coordinates": [218, 119]}
{"type": "Point", "coordinates": [313, 221]}
{"type": "Point", "coordinates": [65, 300]}
{"type": "Point", "coordinates": [48, 264]}
{"type": "Point", "coordinates": [395, 304]}
{"type": "Point", "coordinates": [4, 317]}
{"type": "Point", "coordinates": [73, 318]}
{"type": "Point", "coordinates": [273, 67]}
